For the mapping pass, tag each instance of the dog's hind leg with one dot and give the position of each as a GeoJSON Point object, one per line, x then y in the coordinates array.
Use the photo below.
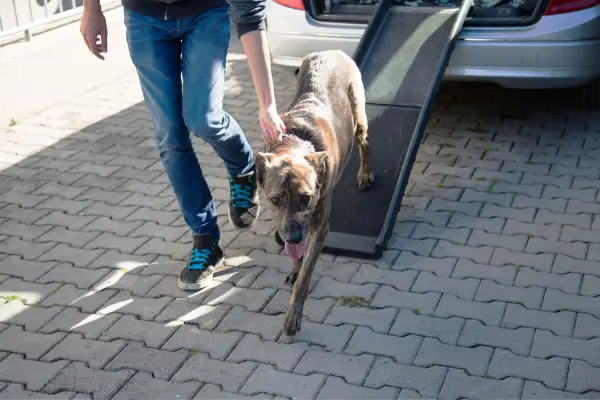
{"type": "Point", "coordinates": [356, 94]}
{"type": "Point", "coordinates": [293, 317]}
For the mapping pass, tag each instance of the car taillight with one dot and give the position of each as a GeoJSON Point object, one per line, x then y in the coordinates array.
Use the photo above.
{"type": "Point", "coordinates": [567, 6]}
{"type": "Point", "coordinates": [296, 4]}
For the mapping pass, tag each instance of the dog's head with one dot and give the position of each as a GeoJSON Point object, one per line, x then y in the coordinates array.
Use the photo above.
{"type": "Point", "coordinates": [291, 182]}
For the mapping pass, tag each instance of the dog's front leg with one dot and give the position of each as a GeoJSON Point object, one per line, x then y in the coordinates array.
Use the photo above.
{"type": "Point", "coordinates": [296, 265]}
{"type": "Point", "coordinates": [293, 317]}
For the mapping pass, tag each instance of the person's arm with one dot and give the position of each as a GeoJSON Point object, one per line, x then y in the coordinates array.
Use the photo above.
{"type": "Point", "coordinates": [93, 28]}
{"type": "Point", "coordinates": [249, 19]}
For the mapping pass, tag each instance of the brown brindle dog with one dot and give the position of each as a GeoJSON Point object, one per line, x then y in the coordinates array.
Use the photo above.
{"type": "Point", "coordinates": [298, 175]}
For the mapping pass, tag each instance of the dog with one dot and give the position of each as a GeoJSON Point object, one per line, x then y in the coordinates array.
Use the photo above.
{"type": "Point", "coordinates": [297, 176]}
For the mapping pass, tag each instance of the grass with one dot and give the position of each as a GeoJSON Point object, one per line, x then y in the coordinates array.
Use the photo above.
{"type": "Point", "coordinates": [13, 122]}
{"type": "Point", "coordinates": [192, 352]}
{"type": "Point", "coordinates": [353, 301]}
{"type": "Point", "coordinates": [416, 311]}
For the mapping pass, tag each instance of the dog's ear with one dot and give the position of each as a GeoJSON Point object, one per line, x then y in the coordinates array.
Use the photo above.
{"type": "Point", "coordinates": [262, 161]}
{"type": "Point", "coordinates": [318, 161]}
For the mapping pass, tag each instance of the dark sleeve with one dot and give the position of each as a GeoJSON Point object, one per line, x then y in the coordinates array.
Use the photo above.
{"type": "Point", "coordinates": [248, 15]}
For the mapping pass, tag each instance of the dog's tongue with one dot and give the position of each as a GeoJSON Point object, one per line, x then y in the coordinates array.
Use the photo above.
{"type": "Point", "coordinates": [295, 251]}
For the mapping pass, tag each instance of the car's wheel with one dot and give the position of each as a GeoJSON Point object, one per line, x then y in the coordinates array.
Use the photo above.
{"type": "Point", "coordinates": [591, 95]}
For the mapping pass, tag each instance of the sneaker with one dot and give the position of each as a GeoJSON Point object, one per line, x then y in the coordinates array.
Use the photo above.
{"type": "Point", "coordinates": [244, 206]}
{"type": "Point", "coordinates": [205, 257]}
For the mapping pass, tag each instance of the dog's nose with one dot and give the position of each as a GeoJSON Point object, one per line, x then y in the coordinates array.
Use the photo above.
{"type": "Point", "coordinates": [295, 237]}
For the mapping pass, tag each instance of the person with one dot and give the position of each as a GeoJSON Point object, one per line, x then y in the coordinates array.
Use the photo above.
{"type": "Point", "coordinates": [179, 50]}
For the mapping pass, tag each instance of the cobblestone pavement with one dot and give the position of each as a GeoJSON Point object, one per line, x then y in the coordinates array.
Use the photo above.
{"type": "Point", "coordinates": [490, 288]}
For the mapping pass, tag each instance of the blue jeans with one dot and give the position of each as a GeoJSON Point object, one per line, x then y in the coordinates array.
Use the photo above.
{"type": "Point", "coordinates": [195, 48]}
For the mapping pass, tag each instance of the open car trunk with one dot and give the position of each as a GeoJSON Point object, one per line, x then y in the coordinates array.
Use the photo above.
{"type": "Point", "coordinates": [484, 12]}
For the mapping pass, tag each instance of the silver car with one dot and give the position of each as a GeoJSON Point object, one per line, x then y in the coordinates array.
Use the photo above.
{"type": "Point", "coordinates": [526, 44]}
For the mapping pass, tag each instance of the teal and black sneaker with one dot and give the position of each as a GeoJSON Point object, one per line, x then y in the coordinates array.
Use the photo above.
{"type": "Point", "coordinates": [206, 256]}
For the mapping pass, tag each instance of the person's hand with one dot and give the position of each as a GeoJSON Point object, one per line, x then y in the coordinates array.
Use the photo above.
{"type": "Point", "coordinates": [272, 126]}
{"type": "Point", "coordinates": [94, 31]}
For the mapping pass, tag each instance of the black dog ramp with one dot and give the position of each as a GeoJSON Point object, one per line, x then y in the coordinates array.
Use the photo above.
{"type": "Point", "coordinates": [402, 56]}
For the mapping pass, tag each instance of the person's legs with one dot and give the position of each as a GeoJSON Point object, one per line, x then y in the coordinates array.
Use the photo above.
{"type": "Point", "coordinates": [204, 51]}
{"type": "Point", "coordinates": [155, 49]}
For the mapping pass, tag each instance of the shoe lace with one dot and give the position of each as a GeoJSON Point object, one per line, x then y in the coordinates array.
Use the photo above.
{"type": "Point", "coordinates": [241, 195]}
{"type": "Point", "coordinates": [199, 258]}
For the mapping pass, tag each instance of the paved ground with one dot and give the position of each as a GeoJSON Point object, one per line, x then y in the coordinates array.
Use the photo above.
{"type": "Point", "coordinates": [490, 288]}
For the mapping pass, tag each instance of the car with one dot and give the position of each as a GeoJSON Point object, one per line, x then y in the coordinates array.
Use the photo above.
{"type": "Point", "coordinates": [520, 44]}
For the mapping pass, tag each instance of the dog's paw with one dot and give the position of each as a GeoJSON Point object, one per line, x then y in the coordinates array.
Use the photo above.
{"type": "Point", "coordinates": [293, 321]}
{"type": "Point", "coordinates": [291, 278]}
{"type": "Point", "coordinates": [365, 180]}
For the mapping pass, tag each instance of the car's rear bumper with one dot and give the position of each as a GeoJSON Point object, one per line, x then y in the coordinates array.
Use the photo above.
{"type": "Point", "coordinates": [533, 58]}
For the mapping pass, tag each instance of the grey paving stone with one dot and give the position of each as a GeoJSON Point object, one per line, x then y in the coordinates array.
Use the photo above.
{"type": "Point", "coordinates": [24, 231]}
{"type": "Point", "coordinates": [337, 388]}
{"type": "Point", "coordinates": [100, 208]}
{"type": "Point", "coordinates": [162, 364]}
{"type": "Point", "coordinates": [85, 300]}
{"type": "Point", "coordinates": [15, 368]}
{"type": "Point", "coordinates": [555, 300]}
{"type": "Point", "coordinates": [502, 200]}
{"type": "Point", "coordinates": [583, 221]}
{"type": "Point", "coordinates": [421, 247]}
{"type": "Point", "coordinates": [142, 307]}
{"type": "Point", "coordinates": [568, 283]}
{"type": "Point", "coordinates": [401, 280]}
{"type": "Point", "coordinates": [386, 372]}
{"type": "Point", "coordinates": [230, 376]}
{"type": "Point", "coordinates": [92, 352]}
{"type": "Point", "coordinates": [251, 299]}
{"type": "Point", "coordinates": [526, 202]}
{"type": "Point", "coordinates": [520, 214]}
{"type": "Point", "coordinates": [574, 234]}
{"type": "Point", "coordinates": [353, 369]}
{"type": "Point", "coordinates": [546, 345]}
{"type": "Point", "coordinates": [70, 237]}
{"type": "Point", "coordinates": [462, 288]}
{"type": "Point", "coordinates": [474, 360]}
{"type": "Point", "coordinates": [118, 227]}
{"type": "Point", "coordinates": [16, 391]}
{"type": "Point", "coordinates": [518, 189]}
{"type": "Point", "coordinates": [553, 192]}
{"type": "Point", "coordinates": [216, 344]}
{"type": "Point", "coordinates": [426, 231]}
{"type": "Point", "coordinates": [402, 349]}
{"type": "Point", "coordinates": [491, 225]}
{"type": "Point", "coordinates": [25, 215]}
{"type": "Point", "coordinates": [114, 259]}
{"type": "Point", "coordinates": [542, 262]}
{"type": "Point", "coordinates": [333, 338]}
{"type": "Point", "coordinates": [33, 345]}
{"type": "Point", "coordinates": [552, 372]}
{"type": "Point", "coordinates": [268, 380]}
{"type": "Point", "coordinates": [513, 227]}
{"type": "Point", "coordinates": [512, 242]}
{"type": "Point", "coordinates": [109, 240]}
{"type": "Point", "coordinates": [30, 317]}
{"type": "Point", "coordinates": [517, 316]}
{"type": "Point", "coordinates": [471, 209]}
{"type": "Point", "coordinates": [282, 356]}
{"type": "Point", "coordinates": [24, 269]}
{"type": "Point", "coordinates": [27, 292]}
{"type": "Point", "coordinates": [582, 377]}
{"type": "Point", "coordinates": [153, 334]}
{"type": "Point", "coordinates": [412, 395]}
{"type": "Point", "coordinates": [446, 330]}
{"type": "Point", "coordinates": [431, 217]}
{"type": "Point", "coordinates": [481, 254]}
{"type": "Point", "coordinates": [564, 264]}
{"type": "Point", "coordinates": [238, 319]}
{"type": "Point", "coordinates": [389, 297]}
{"type": "Point", "coordinates": [530, 297]}
{"type": "Point", "coordinates": [582, 207]}
{"type": "Point", "coordinates": [439, 266]}
{"type": "Point", "coordinates": [489, 313]}
{"type": "Point", "coordinates": [59, 218]}
{"type": "Point", "coordinates": [83, 278]}
{"type": "Point", "coordinates": [536, 390]}
{"type": "Point", "coordinates": [380, 320]}
{"type": "Point", "coordinates": [586, 327]}
{"type": "Point", "coordinates": [144, 386]}
{"type": "Point", "coordinates": [78, 378]}
{"type": "Point", "coordinates": [214, 392]}
{"type": "Point", "coordinates": [468, 269]}
{"type": "Point", "coordinates": [517, 340]}
{"type": "Point", "coordinates": [22, 199]}
{"type": "Point", "coordinates": [460, 385]}
{"type": "Point", "coordinates": [315, 310]}
{"type": "Point", "coordinates": [575, 249]}
{"type": "Point", "coordinates": [270, 278]}
{"type": "Point", "coordinates": [77, 257]}
{"type": "Point", "coordinates": [182, 311]}
{"type": "Point", "coordinates": [25, 249]}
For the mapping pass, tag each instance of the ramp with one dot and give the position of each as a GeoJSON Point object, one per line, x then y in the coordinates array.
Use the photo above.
{"type": "Point", "coordinates": [402, 56]}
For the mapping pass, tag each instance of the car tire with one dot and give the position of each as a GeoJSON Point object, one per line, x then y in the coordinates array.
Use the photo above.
{"type": "Point", "coordinates": [591, 95]}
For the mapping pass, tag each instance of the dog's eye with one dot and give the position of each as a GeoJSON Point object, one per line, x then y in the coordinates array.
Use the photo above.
{"type": "Point", "coordinates": [276, 201]}
{"type": "Point", "coordinates": [304, 200]}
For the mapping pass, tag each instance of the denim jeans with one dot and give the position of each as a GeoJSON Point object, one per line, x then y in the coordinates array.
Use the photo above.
{"type": "Point", "coordinates": [195, 49]}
